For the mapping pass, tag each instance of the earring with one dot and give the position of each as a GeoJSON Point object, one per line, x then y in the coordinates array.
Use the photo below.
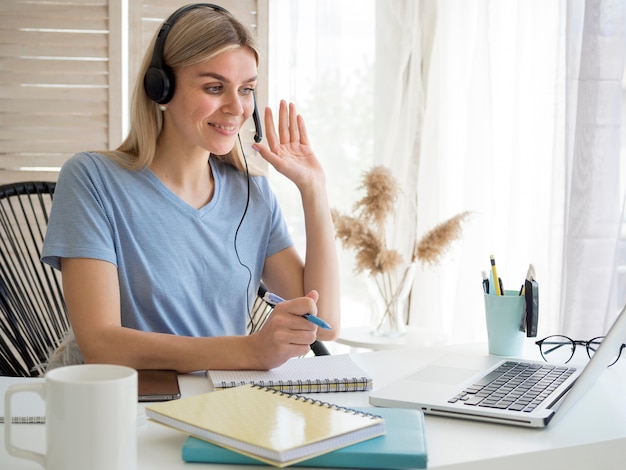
{"type": "Point", "coordinates": [162, 107]}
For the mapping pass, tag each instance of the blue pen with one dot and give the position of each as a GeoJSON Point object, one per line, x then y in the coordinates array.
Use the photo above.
{"type": "Point", "coordinates": [276, 299]}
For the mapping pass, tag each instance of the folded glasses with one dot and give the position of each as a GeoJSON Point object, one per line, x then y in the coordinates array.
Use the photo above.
{"type": "Point", "coordinates": [560, 349]}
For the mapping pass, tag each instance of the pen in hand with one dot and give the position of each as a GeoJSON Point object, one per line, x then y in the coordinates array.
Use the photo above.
{"type": "Point", "coordinates": [276, 299]}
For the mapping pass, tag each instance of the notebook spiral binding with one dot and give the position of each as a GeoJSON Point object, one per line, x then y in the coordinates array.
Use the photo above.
{"type": "Point", "coordinates": [25, 420]}
{"type": "Point", "coordinates": [352, 384]}
{"type": "Point", "coordinates": [317, 402]}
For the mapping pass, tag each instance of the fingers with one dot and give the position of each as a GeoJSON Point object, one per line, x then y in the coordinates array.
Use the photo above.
{"type": "Point", "coordinates": [294, 130]}
{"type": "Point", "coordinates": [288, 123]}
{"type": "Point", "coordinates": [291, 127]}
{"type": "Point", "coordinates": [313, 295]}
{"type": "Point", "coordinates": [283, 123]}
{"type": "Point", "coordinates": [304, 137]}
{"type": "Point", "coordinates": [296, 308]}
{"type": "Point", "coordinates": [270, 131]}
{"type": "Point", "coordinates": [287, 331]}
{"type": "Point", "coordinates": [275, 347]}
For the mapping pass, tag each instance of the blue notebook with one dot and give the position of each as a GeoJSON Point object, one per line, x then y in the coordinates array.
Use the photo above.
{"type": "Point", "coordinates": [403, 446]}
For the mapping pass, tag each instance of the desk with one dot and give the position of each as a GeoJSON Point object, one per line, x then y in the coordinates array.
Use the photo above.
{"type": "Point", "coordinates": [592, 435]}
{"type": "Point", "coordinates": [360, 337]}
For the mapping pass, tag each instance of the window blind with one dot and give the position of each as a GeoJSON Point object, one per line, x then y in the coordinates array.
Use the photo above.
{"type": "Point", "coordinates": [54, 62]}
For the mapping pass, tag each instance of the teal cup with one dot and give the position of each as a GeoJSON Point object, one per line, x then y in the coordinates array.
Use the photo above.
{"type": "Point", "coordinates": [504, 316]}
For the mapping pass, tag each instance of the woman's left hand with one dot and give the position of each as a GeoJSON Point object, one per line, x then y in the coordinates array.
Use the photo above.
{"type": "Point", "coordinates": [289, 151]}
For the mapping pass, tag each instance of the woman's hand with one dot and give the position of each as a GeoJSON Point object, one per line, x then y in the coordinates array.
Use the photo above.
{"type": "Point", "coordinates": [289, 151]}
{"type": "Point", "coordinates": [286, 333]}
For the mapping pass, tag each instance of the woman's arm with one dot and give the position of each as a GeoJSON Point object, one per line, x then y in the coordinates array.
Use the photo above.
{"type": "Point", "coordinates": [92, 296]}
{"type": "Point", "coordinates": [290, 153]}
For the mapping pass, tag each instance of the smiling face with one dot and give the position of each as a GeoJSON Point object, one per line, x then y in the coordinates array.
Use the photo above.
{"type": "Point", "coordinates": [211, 102]}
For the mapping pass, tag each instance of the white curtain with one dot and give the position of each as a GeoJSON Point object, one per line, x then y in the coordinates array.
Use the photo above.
{"type": "Point", "coordinates": [480, 105]}
{"type": "Point", "coordinates": [508, 109]}
{"type": "Point", "coordinates": [321, 56]}
{"type": "Point", "coordinates": [596, 43]}
{"type": "Point", "coordinates": [399, 105]}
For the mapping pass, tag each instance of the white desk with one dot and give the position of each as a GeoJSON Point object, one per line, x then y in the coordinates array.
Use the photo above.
{"type": "Point", "coordinates": [360, 337]}
{"type": "Point", "coordinates": [592, 435]}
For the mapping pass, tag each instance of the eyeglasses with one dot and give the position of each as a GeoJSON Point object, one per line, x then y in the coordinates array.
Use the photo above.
{"type": "Point", "coordinates": [560, 349]}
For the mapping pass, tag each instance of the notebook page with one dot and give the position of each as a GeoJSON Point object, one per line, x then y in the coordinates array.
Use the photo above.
{"type": "Point", "coordinates": [334, 373]}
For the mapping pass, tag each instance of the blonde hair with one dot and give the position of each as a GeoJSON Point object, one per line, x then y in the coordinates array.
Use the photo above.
{"type": "Point", "coordinates": [197, 36]}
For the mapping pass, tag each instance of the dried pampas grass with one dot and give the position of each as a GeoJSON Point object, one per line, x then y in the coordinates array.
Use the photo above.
{"type": "Point", "coordinates": [365, 231]}
{"type": "Point", "coordinates": [431, 248]}
{"type": "Point", "coordinates": [381, 194]}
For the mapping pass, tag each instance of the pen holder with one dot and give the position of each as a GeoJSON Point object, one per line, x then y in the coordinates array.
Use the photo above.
{"type": "Point", "coordinates": [504, 316]}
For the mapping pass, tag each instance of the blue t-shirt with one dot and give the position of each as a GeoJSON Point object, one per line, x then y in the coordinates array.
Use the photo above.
{"type": "Point", "coordinates": [179, 271]}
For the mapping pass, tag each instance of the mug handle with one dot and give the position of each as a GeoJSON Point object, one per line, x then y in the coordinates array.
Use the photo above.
{"type": "Point", "coordinates": [38, 388]}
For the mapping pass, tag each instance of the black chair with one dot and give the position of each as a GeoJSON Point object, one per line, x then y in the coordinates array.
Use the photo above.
{"type": "Point", "coordinates": [33, 316]}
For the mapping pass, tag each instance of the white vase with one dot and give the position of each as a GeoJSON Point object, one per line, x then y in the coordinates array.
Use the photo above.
{"type": "Point", "coordinates": [389, 293]}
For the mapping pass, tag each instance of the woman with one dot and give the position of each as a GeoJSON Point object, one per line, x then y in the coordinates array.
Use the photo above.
{"type": "Point", "coordinates": [163, 242]}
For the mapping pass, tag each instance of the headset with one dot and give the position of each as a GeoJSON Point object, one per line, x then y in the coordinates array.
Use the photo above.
{"type": "Point", "coordinates": [158, 82]}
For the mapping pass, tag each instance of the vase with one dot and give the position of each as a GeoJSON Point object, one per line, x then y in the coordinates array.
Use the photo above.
{"type": "Point", "coordinates": [389, 292]}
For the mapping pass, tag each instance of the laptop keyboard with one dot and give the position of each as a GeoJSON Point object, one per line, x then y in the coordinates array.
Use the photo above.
{"type": "Point", "coordinates": [517, 386]}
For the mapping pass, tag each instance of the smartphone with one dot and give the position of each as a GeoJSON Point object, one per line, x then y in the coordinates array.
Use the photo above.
{"type": "Point", "coordinates": [158, 385]}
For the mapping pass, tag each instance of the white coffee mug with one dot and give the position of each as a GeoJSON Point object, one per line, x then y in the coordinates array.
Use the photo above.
{"type": "Point", "coordinates": [91, 418]}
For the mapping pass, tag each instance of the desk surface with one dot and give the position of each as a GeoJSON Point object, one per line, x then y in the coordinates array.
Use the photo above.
{"type": "Point", "coordinates": [360, 337]}
{"type": "Point", "coordinates": [591, 435]}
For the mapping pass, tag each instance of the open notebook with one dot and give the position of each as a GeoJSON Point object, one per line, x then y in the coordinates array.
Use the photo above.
{"type": "Point", "coordinates": [335, 373]}
{"type": "Point", "coordinates": [460, 386]}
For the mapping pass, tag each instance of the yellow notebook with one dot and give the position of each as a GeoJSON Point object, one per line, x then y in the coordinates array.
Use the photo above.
{"type": "Point", "coordinates": [269, 425]}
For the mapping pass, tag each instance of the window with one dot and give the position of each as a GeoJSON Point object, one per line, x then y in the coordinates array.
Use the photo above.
{"type": "Point", "coordinates": [321, 57]}
{"type": "Point", "coordinates": [54, 85]}
{"type": "Point", "coordinates": [621, 255]}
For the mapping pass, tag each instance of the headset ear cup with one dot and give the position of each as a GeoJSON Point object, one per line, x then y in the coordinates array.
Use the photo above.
{"type": "Point", "coordinates": [159, 84]}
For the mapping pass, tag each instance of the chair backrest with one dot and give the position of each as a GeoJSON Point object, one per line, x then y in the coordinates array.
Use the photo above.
{"type": "Point", "coordinates": [33, 317]}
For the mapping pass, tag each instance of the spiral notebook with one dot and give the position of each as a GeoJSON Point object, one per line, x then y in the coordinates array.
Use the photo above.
{"type": "Point", "coordinates": [403, 446]}
{"type": "Point", "coordinates": [271, 426]}
{"type": "Point", "coordinates": [334, 373]}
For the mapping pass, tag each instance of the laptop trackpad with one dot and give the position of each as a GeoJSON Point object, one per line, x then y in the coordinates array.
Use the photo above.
{"type": "Point", "coordinates": [442, 375]}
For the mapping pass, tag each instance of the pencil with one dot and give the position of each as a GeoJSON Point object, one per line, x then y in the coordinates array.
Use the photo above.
{"type": "Point", "coordinates": [496, 279]}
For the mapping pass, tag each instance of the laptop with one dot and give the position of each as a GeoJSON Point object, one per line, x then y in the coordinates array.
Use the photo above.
{"type": "Point", "coordinates": [459, 386]}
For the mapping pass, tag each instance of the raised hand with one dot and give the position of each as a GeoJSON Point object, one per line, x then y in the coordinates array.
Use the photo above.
{"type": "Point", "coordinates": [289, 151]}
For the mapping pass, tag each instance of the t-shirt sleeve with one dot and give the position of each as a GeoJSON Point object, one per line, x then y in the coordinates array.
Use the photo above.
{"type": "Point", "coordinates": [79, 226]}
